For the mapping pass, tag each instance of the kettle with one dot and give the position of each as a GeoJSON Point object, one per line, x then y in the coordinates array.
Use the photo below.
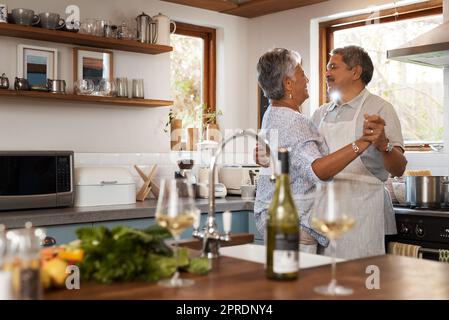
{"type": "Point", "coordinates": [163, 29]}
{"type": "Point", "coordinates": [146, 29]}
{"type": "Point", "coordinates": [4, 82]}
{"type": "Point", "coordinates": [21, 84]}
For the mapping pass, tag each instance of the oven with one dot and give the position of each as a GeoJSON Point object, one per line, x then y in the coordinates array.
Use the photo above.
{"type": "Point", "coordinates": [428, 229]}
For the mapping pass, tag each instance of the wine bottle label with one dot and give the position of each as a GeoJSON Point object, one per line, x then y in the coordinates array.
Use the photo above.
{"type": "Point", "coordinates": [285, 254]}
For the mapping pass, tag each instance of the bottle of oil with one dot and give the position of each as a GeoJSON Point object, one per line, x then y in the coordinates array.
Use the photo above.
{"type": "Point", "coordinates": [282, 240]}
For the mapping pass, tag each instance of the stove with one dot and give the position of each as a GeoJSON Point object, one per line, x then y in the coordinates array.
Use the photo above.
{"type": "Point", "coordinates": [426, 228]}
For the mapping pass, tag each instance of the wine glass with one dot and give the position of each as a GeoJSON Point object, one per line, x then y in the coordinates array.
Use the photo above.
{"type": "Point", "coordinates": [176, 211]}
{"type": "Point", "coordinates": [331, 216]}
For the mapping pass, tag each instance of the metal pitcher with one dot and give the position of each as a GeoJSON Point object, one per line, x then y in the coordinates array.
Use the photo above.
{"type": "Point", "coordinates": [146, 29]}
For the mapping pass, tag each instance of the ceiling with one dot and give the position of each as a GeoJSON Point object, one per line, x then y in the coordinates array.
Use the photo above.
{"type": "Point", "coordinates": [246, 8]}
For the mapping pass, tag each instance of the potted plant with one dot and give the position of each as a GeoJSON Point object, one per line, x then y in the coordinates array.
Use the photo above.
{"type": "Point", "coordinates": [174, 124]}
{"type": "Point", "coordinates": [210, 126]}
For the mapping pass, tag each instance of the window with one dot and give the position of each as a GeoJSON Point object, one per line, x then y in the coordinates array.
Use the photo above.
{"type": "Point", "coordinates": [416, 92]}
{"type": "Point", "coordinates": [193, 72]}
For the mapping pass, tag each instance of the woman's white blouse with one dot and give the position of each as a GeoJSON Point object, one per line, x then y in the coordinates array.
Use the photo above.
{"type": "Point", "coordinates": [284, 127]}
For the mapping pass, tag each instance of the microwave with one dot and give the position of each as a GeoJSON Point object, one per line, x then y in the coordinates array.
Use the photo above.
{"type": "Point", "coordinates": [36, 179]}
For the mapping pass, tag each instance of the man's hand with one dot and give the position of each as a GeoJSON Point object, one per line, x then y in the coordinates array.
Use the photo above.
{"type": "Point", "coordinates": [374, 131]}
{"type": "Point", "coordinates": [261, 155]}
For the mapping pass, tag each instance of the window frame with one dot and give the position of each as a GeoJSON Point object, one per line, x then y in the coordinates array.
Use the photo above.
{"type": "Point", "coordinates": [209, 73]}
{"type": "Point", "coordinates": [327, 29]}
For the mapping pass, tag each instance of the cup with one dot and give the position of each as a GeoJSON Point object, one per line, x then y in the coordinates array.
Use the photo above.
{"type": "Point", "coordinates": [23, 261]}
{"type": "Point", "coordinates": [138, 91]}
{"type": "Point", "coordinates": [89, 26]}
{"type": "Point", "coordinates": [3, 13]}
{"type": "Point", "coordinates": [24, 17]}
{"type": "Point", "coordinates": [248, 191]}
{"type": "Point", "coordinates": [84, 87]}
{"type": "Point", "coordinates": [122, 87]}
{"type": "Point", "coordinates": [51, 21]}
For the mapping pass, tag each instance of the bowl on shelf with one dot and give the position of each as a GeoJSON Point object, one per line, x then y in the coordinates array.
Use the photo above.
{"type": "Point", "coordinates": [84, 87]}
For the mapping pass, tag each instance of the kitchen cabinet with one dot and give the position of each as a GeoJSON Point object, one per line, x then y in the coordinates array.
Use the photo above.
{"type": "Point", "coordinates": [34, 33]}
{"type": "Point", "coordinates": [65, 233]}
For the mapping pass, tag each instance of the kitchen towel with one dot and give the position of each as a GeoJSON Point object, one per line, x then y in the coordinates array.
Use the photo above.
{"type": "Point", "coordinates": [403, 249]}
{"type": "Point", "coordinates": [443, 255]}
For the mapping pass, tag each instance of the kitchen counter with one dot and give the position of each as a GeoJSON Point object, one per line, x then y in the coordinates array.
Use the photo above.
{"type": "Point", "coordinates": [236, 279]}
{"type": "Point", "coordinates": [74, 215]}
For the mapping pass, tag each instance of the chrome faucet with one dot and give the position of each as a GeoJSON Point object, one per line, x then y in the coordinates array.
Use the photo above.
{"type": "Point", "coordinates": [210, 235]}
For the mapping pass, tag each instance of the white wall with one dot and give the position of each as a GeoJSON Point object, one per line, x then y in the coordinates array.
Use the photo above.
{"type": "Point", "coordinates": [297, 29]}
{"type": "Point", "coordinates": [30, 124]}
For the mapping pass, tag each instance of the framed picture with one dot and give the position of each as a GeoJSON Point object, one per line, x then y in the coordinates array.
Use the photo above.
{"type": "Point", "coordinates": [37, 64]}
{"type": "Point", "coordinates": [93, 64]}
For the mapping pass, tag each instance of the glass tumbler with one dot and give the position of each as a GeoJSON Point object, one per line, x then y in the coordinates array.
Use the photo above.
{"type": "Point", "coordinates": [138, 88]}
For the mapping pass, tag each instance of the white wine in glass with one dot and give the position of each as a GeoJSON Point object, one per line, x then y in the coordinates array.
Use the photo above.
{"type": "Point", "coordinates": [331, 217]}
{"type": "Point", "coordinates": [176, 212]}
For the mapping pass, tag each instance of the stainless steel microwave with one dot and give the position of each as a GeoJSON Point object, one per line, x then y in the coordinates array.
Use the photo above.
{"type": "Point", "coordinates": [36, 179]}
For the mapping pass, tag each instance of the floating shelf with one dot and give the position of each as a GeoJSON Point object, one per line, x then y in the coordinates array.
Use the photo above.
{"type": "Point", "coordinates": [35, 33]}
{"type": "Point", "coordinates": [146, 103]}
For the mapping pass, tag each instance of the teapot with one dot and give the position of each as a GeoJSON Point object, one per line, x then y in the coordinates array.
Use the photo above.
{"type": "Point", "coordinates": [21, 84]}
{"type": "Point", "coordinates": [4, 82]}
{"type": "Point", "coordinates": [163, 29]}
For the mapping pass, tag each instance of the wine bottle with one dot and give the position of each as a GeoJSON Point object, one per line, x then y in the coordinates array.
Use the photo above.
{"type": "Point", "coordinates": [282, 237]}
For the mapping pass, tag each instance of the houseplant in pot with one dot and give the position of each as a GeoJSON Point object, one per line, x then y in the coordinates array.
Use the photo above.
{"type": "Point", "coordinates": [210, 126]}
{"type": "Point", "coordinates": [174, 124]}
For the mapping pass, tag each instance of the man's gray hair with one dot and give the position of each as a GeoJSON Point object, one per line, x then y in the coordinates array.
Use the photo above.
{"type": "Point", "coordinates": [354, 55]}
{"type": "Point", "coordinates": [273, 67]}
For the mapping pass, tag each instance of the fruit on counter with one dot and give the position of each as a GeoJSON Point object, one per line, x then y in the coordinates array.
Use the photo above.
{"type": "Point", "coordinates": [53, 273]}
{"type": "Point", "coordinates": [71, 255]}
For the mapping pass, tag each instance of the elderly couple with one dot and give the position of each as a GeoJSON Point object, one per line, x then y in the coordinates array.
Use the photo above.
{"type": "Point", "coordinates": [356, 137]}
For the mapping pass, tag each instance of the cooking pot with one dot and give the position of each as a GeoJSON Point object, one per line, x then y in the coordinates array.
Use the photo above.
{"type": "Point", "coordinates": [424, 191]}
{"type": "Point", "coordinates": [445, 192]}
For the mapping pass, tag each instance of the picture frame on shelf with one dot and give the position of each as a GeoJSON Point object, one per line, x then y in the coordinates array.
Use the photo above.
{"type": "Point", "coordinates": [92, 64]}
{"type": "Point", "coordinates": [37, 65]}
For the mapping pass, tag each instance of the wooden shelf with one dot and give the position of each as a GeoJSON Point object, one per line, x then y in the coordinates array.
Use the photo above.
{"type": "Point", "coordinates": [146, 103]}
{"type": "Point", "coordinates": [29, 32]}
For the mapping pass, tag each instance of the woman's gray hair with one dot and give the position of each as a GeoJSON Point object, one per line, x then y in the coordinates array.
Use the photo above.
{"type": "Point", "coordinates": [353, 56]}
{"type": "Point", "coordinates": [273, 67]}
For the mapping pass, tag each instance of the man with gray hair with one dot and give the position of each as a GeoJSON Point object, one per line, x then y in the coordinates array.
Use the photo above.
{"type": "Point", "coordinates": [355, 112]}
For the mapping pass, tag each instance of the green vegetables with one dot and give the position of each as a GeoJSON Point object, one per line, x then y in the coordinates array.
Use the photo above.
{"type": "Point", "coordinates": [127, 254]}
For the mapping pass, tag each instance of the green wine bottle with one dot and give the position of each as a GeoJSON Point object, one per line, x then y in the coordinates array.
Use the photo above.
{"type": "Point", "coordinates": [282, 237]}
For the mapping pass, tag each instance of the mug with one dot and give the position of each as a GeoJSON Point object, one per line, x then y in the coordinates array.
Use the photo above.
{"type": "Point", "coordinates": [51, 21]}
{"type": "Point", "coordinates": [3, 13]}
{"type": "Point", "coordinates": [24, 17]}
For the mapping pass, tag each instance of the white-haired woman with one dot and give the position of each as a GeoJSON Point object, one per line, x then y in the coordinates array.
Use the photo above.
{"type": "Point", "coordinates": [284, 83]}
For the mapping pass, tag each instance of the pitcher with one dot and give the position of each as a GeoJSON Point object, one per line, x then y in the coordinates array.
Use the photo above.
{"type": "Point", "coordinates": [163, 29]}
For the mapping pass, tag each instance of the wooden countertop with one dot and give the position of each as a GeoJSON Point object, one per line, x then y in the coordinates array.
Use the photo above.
{"type": "Point", "coordinates": [400, 278]}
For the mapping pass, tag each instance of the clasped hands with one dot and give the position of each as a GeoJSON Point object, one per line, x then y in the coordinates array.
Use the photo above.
{"type": "Point", "coordinates": [374, 131]}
